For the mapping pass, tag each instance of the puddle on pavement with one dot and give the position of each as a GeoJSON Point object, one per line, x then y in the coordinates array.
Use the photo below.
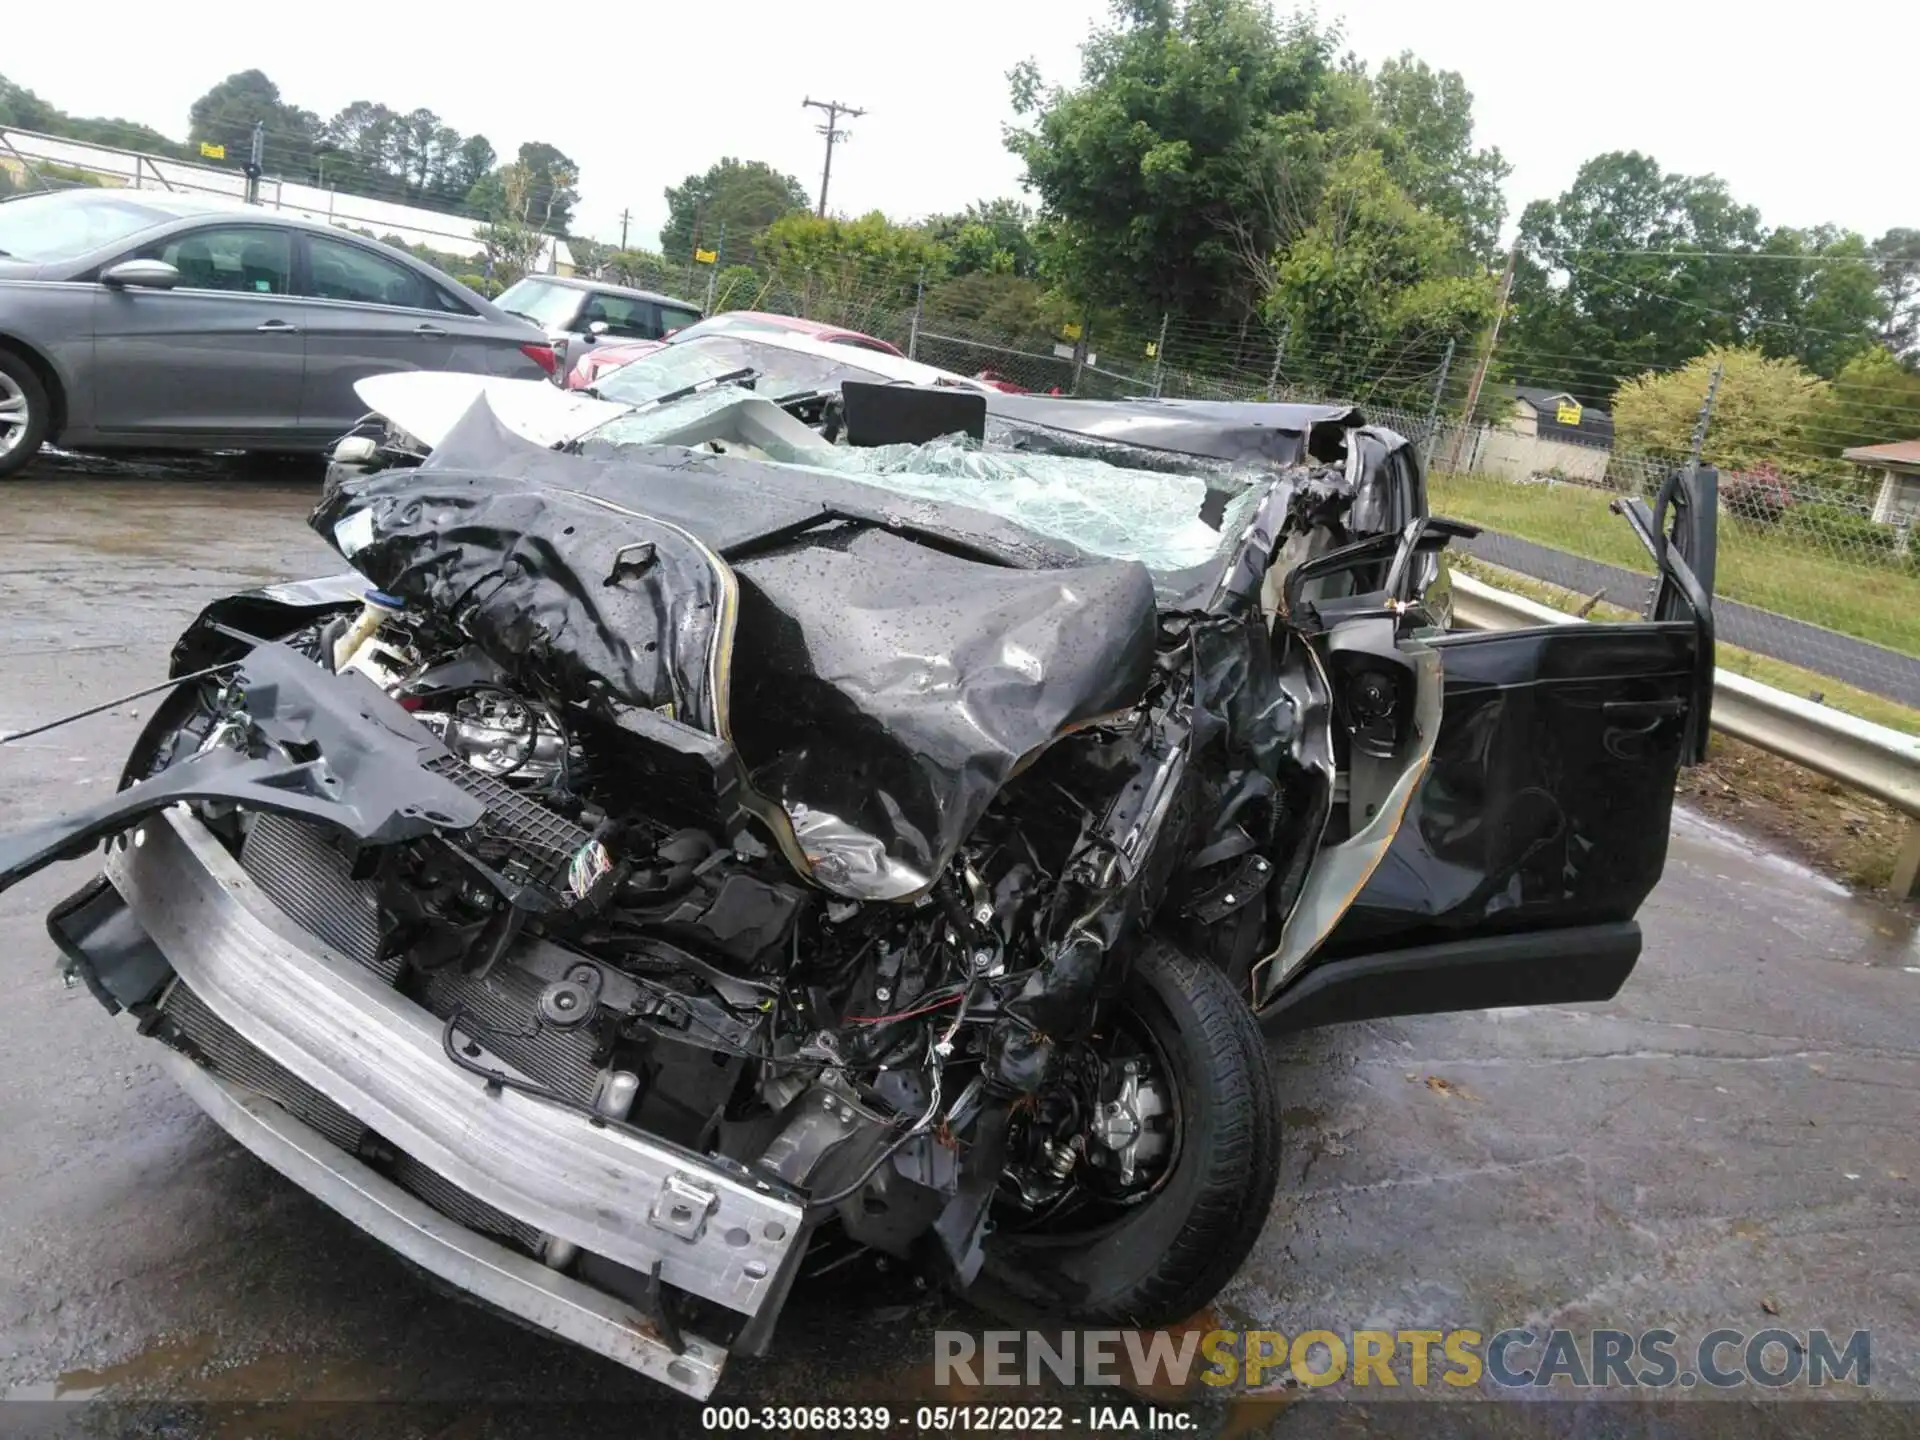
{"type": "Point", "coordinates": [204, 1368]}
{"type": "Point", "coordinates": [1891, 937]}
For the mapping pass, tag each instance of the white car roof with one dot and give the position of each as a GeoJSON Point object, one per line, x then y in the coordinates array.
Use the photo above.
{"type": "Point", "coordinates": [888, 367]}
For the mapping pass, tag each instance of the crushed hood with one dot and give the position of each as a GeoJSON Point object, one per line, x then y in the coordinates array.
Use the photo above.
{"type": "Point", "coordinates": [881, 669]}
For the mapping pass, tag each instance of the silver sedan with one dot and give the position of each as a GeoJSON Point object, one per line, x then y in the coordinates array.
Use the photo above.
{"type": "Point", "coordinates": [132, 320]}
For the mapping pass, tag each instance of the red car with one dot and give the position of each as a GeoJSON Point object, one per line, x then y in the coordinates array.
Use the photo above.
{"type": "Point", "coordinates": [602, 358]}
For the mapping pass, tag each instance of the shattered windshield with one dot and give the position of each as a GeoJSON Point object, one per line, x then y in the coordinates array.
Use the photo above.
{"type": "Point", "coordinates": [1168, 522]}
{"type": "Point", "coordinates": [1171, 519]}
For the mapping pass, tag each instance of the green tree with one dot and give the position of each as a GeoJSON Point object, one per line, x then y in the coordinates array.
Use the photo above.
{"type": "Point", "coordinates": [993, 236]}
{"type": "Point", "coordinates": [471, 162]}
{"type": "Point", "coordinates": [1004, 308]}
{"type": "Point", "coordinates": [551, 182]}
{"type": "Point", "coordinates": [645, 270]}
{"type": "Point", "coordinates": [227, 113]}
{"type": "Point", "coordinates": [742, 196]}
{"type": "Point", "coordinates": [869, 256]}
{"type": "Point", "coordinates": [1634, 268]}
{"type": "Point", "coordinates": [1598, 296]}
{"type": "Point", "coordinates": [736, 287]}
{"type": "Point", "coordinates": [1379, 284]}
{"type": "Point", "coordinates": [1764, 413]}
{"type": "Point", "coordinates": [1898, 255]}
{"type": "Point", "coordinates": [1425, 134]}
{"type": "Point", "coordinates": [1835, 312]}
{"type": "Point", "coordinates": [513, 239]}
{"type": "Point", "coordinates": [1149, 163]}
{"type": "Point", "coordinates": [1874, 399]}
{"type": "Point", "coordinates": [20, 106]}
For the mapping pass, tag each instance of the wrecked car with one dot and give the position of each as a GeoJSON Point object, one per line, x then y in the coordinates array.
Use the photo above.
{"type": "Point", "coordinates": [747, 827]}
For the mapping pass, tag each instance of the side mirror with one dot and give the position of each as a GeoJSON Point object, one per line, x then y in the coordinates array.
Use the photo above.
{"type": "Point", "coordinates": [140, 275]}
{"type": "Point", "coordinates": [597, 329]}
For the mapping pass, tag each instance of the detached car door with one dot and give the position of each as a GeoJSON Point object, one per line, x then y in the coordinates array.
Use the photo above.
{"type": "Point", "coordinates": [1539, 823]}
{"type": "Point", "coordinates": [218, 357]}
{"type": "Point", "coordinates": [367, 313]}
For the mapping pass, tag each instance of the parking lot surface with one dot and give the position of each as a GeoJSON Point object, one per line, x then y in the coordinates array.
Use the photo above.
{"type": "Point", "coordinates": [1730, 1143]}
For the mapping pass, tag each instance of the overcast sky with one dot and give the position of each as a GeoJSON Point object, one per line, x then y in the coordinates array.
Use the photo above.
{"type": "Point", "coordinates": [1809, 114]}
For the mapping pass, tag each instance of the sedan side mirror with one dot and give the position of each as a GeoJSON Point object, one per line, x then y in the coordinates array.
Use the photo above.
{"type": "Point", "coordinates": [140, 275]}
{"type": "Point", "coordinates": [597, 329]}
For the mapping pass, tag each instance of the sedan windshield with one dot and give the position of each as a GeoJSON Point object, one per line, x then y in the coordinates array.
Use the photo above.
{"type": "Point", "coordinates": [779, 372]}
{"type": "Point", "coordinates": [46, 229]}
{"type": "Point", "coordinates": [545, 304]}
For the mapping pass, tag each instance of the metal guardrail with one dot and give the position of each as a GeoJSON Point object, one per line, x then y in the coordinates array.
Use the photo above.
{"type": "Point", "coordinates": [1872, 759]}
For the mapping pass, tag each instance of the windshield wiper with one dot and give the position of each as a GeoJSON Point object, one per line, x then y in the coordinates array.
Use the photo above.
{"type": "Point", "coordinates": [746, 375]}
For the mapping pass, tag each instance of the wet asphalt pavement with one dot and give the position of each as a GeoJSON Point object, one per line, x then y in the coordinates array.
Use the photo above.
{"type": "Point", "coordinates": [1730, 1143]}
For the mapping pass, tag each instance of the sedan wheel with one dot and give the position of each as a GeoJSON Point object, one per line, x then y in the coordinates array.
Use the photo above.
{"type": "Point", "coordinates": [23, 414]}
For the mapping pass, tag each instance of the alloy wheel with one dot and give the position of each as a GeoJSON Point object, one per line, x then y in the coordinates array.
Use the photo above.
{"type": "Point", "coordinates": [13, 413]}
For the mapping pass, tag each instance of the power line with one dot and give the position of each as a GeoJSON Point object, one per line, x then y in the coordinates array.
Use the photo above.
{"type": "Point", "coordinates": [1553, 259]}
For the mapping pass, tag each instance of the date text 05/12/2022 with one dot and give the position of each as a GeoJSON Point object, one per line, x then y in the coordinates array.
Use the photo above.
{"type": "Point", "coordinates": [945, 1419]}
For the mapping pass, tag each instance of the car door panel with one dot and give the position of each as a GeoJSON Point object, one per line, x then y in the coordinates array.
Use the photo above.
{"type": "Point", "coordinates": [1540, 819]}
{"type": "Point", "coordinates": [1549, 793]}
{"type": "Point", "coordinates": [368, 314]}
{"type": "Point", "coordinates": [220, 355]}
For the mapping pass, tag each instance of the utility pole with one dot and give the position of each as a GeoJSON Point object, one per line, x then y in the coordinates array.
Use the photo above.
{"type": "Point", "coordinates": [835, 135]}
{"type": "Point", "coordinates": [625, 216]}
{"type": "Point", "coordinates": [913, 329]}
{"type": "Point", "coordinates": [1279, 354]}
{"type": "Point", "coordinates": [1703, 420]}
{"type": "Point", "coordinates": [1493, 338]}
{"type": "Point", "coordinates": [254, 158]}
{"type": "Point", "coordinates": [713, 266]}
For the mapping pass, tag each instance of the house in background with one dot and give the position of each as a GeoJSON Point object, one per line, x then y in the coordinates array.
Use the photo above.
{"type": "Point", "coordinates": [1898, 500]}
{"type": "Point", "coordinates": [1548, 434]}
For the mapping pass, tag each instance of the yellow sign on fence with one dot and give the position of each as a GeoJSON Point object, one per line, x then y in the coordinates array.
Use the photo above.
{"type": "Point", "coordinates": [706, 257]}
{"type": "Point", "coordinates": [213, 152]}
{"type": "Point", "coordinates": [1566, 413]}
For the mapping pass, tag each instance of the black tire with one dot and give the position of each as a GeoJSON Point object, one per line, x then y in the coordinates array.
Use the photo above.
{"type": "Point", "coordinates": [1166, 1259]}
{"type": "Point", "coordinates": [20, 376]}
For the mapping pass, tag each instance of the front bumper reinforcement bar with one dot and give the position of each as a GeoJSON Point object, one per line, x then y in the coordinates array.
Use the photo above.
{"type": "Point", "coordinates": [379, 1056]}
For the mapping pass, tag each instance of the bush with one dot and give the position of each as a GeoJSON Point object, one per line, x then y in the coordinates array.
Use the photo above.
{"type": "Point", "coordinates": [481, 285]}
{"type": "Point", "coordinates": [1761, 495]}
{"type": "Point", "coordinates": [1836, 526]}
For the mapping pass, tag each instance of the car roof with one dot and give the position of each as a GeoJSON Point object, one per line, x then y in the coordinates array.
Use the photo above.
{"type": "Point", "coordinates": [891, 367]}
{"type": "Point", "coordinates": [792, 323]}
{"type": "Point", "coordinates": [172, 205]}
{"type": "Point", "coordinates": [576, 282]}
